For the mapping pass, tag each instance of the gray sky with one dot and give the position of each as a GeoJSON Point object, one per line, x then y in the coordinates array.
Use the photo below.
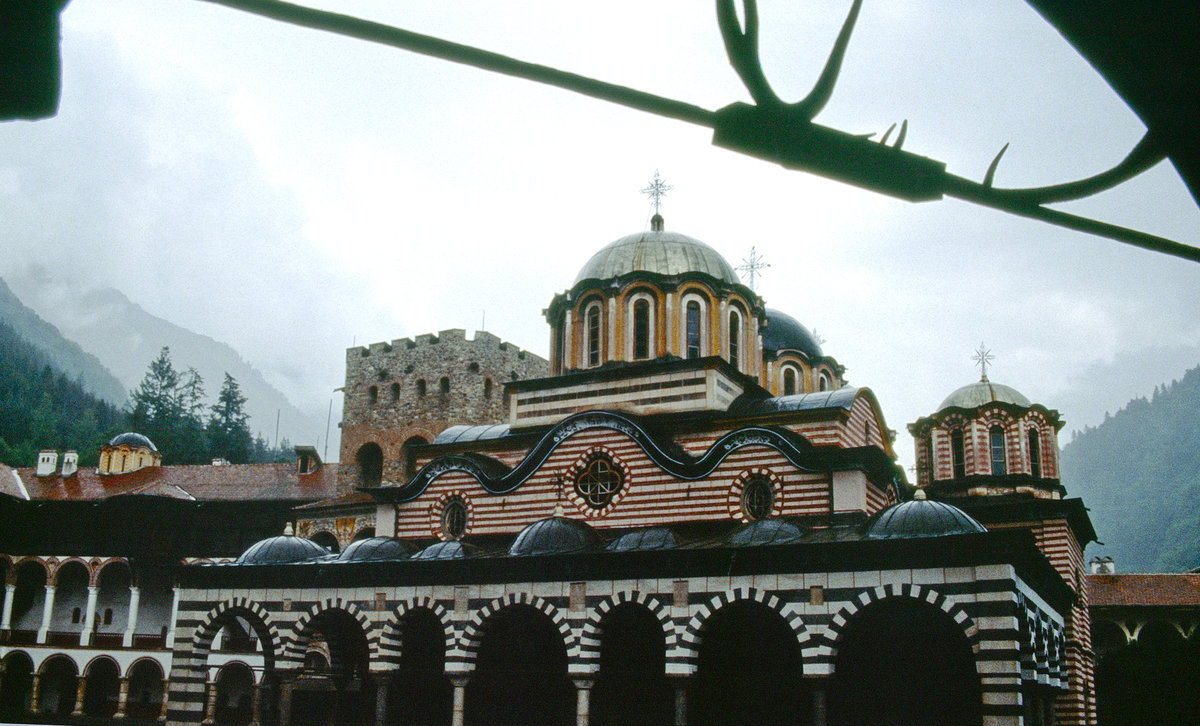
{"type": "Point", "coordinates": [291, 192]}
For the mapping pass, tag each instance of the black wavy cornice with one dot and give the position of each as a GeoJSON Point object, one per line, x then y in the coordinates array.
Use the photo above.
{"type": "Point", "coordinates": [498, 478]}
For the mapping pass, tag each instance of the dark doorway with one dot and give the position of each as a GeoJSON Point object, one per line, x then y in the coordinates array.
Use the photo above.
{"type": "Point", "coordinates": [370, 464]}
{"type": "Point", "coordinates": [235, 695]}
{"type": "Point", "coordinates": [57, 691]}
{"type": "Point", "coordinates": [16, 685]}
{"type": "Point", "coordinates": [631, 687]}
{"type": "Point", "coordinates": [420, 694]}
{"type": "Point", "coordinates": [343, 694]}
{"type": "Point", "coordinates": [145, 690]}
{"type": "Point", "coordinates": [748, 670]}
{"type": "Point", "coordinates": [901, 661]}
{"type": "Point", "coordinates": [520, 673]}
{"type": "Point", "coordinates": [102, 687]}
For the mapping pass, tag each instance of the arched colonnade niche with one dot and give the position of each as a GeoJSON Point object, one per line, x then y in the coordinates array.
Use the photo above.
{"type": "Point", "coordinates": [748, 670]}
{"type": "Point", "coordinates": [58, 686]}
{"type": "Point", "coordinates": [233, 695]}
{"type": "Point", "coordinates": [16, 686]}
{"type": "Point", "coordinates": [328, 540]}
{"type": "Point", "coordinates": [112, 613]}
{"type": "Point", "coordinates": [29, 596]}
{"type": "Point", "coordinates": [102, 688]}
{"type": "Point", "coordinates": [342, 693]}
{"type": "Point", "coordinates": [904, 661]}
{"type": "Point", "coordinates": [1149, 680]}
{"type": "Point", "coordinates": [145, 695]}
{"type": "Point", "coordinates": [419, 691]}
{"type": "Point", "coordinates": [631, 686]}
{"type": "Point", "coordinates": [520, 674]}
{"type": "Point", "coordinates": [69, 611]}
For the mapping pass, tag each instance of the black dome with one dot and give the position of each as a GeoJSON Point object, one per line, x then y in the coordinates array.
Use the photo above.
{"type": "Point", "coordinates": [555, 535]}
{"type": "Point", "coordinates": [921, 517]}
{"type": "Point", "coordinates": [648, 538]}
{"type": "Point", "coordinates": [129, 438]}
{"type": "Point", "coordinates": [765, 532]}
{"type": "Point", "coordinates": [452, 550]}
{"type": "Point", "coordinates": [281, 550]}
{"type": "Point", "coordinates": [374, 549]}
{"type": "Point", "coordinates": [783, 332]}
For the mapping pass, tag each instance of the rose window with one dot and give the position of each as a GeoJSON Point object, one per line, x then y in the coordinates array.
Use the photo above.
{"type": "Point", "coordinates": [598, 483]}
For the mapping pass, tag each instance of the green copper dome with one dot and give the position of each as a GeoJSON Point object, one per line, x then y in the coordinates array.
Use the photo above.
{"type": "Point", "coordinates": [657, 251]}
{"type": "Point", "coordinates": [982, 393]}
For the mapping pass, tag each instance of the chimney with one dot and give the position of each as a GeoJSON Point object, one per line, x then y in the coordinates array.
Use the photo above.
{"type": "Point", "coordinates": [47, 462]}
{"type": "Point", "coordinates": [70, 463]}
{"type": "Point", "coordinates": [1102, 566]}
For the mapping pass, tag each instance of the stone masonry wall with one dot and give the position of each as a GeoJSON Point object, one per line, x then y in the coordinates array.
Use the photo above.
{"type": "Point", "coordinates": [421, 387]}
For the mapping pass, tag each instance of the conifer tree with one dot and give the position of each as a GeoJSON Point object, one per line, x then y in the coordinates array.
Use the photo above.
{"type": "Point", "coordinates": [228, 425]}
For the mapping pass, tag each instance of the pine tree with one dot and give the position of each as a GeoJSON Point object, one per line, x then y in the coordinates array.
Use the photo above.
{"type": "Point", "coordinates": [228, 425]}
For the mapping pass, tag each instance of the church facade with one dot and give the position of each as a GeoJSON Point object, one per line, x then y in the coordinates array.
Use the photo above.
{"type": "Point", "coordinates": [686, 516]}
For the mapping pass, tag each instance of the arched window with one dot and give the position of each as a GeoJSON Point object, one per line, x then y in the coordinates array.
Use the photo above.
{"type": "Point", "coordinates": [454, 518]}
{"type": "Point", "coordinates": [735, 338]}
{"type": "Point", "coordinates": [372, 395]}
{"type": "Point", "coordinates": [444, 384]}
{"type": "Point", "coordinates": [641, 329]}
{"type": "Point", "coordinates": [789, 381]}
{"type": "Point", "coordinates": [487, 387]}
{"type": "Point", "coordinates": [996, 444]}
{"type": "Point", "coordinates": [1035, 453]}
{"type": "Point", "coordinates": [395, 392]}
{"type": "Point", "coordinates": [692, 327]}
{"type": "Point", "coordinates": [823, 382]}
{"type": "Point", "coordinates": [75, 615]}
{"type": "Point", "coordinates": [108, 616]}
{"type": "Point", "coordinates": [958, 454]}
{"type": "Point", "coordinates": [592, 318]}
{"type": "Point", "coordinates": [420, 387]}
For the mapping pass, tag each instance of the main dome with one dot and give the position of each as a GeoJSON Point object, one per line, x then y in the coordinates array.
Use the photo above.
{"type": "Point", "coordinates": [660, 252]}
{"type": "Point", "coordinates": [783, 332]}
{"type": "Point", "coordinates": [982, 393]}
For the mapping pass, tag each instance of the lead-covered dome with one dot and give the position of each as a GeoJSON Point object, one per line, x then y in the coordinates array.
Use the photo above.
{"type": "Point", "coordinates": [555, 535]}
{"type": "Point", "coordinates": [982, 393]}
{"type": "Point", "coordinates": [783, 332]}
{"type": "Point", "coordinates": [376, 549]}
{"type": "Point", "coordinates": [134, 440]}
{"type": "Point", "coordinates": [281, 550]}
{"type": "Point", "coordinates": [921, 517]}
{"type": "Point", "coordinates": [660, 252]}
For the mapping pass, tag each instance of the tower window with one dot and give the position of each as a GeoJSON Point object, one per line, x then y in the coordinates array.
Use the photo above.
{"type": "Point", "coordinates": [641, 329]}
{"type": "Point", "coordinates": [420, 387]}
{"type": "Point", "coordinates": [395, 392]}
{"type": "Point", "coordinates": [444, 384]}
{"type": "Point", "coordinates": [487, 387]}
{"type": "Point", "coordinates": [1035, 453]}
{"type": "Point", "coordinates": [996, 439]}
{"type": "Point", "coordinates": [692, 324]}
{"type": "Point", "coordinates": [593, 336]}
{"type": "Point", "coordinates": [735, 337]}
{"type": "Point", "coordinates": [789, 381]}
{"type": "Point", "coordinates": [372, 395]}
{"type": "Point", "coordinates": [958, 454]}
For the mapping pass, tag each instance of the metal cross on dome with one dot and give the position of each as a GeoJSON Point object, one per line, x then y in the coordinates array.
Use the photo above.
{"type": "Point", "coordinates": [982, 357]}
{"type": "Point", "coordinates": [656, 190]}
{"type": "Point", "coordinates": [751, 265]}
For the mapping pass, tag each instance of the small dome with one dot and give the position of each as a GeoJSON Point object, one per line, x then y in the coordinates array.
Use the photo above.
{"type": "Point", "coordinates": [982, 393]}
{"type": "Point", "coordinates": [281, 550]}
{"type": "Point", "coordinates": [649, 538]}
{"type": "Point", "coordinates": [375, 549]}
{"type": "Point", "coordinates": [764, 532]}
{"type": "Point", "coordinates": [783, 332]}
{"type": "Point", "coordinates": [921, 517]}
{"type": "Point", "coordinates": [659, 252]}
{"type": "Point", "coordinates": [452, 550]}
{"type": "Point", "coordinates": [135, 440]}
{"type": "Point", "coordinates": [555, 535]}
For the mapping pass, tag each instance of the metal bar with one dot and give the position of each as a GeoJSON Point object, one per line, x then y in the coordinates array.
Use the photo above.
{"type": "Point", "coordinates": [428, 45]}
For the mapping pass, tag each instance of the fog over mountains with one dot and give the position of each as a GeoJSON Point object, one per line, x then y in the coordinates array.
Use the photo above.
{"type": "Point", "coordinates": [124, 338]}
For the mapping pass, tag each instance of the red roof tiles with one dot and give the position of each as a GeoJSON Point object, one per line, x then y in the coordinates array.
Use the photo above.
{"type": "Point", "coordinates": [204, 483]}
{"type": "Point", "coordinates": [1160, 590]}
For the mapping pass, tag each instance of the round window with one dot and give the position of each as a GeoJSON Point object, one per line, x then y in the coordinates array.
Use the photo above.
{"type": "Point", "coordinates": [758, 498]}
{"type": "Point", "coordinates": [454, 518]}
{"type": "Point", "coordinates": [599, 482]}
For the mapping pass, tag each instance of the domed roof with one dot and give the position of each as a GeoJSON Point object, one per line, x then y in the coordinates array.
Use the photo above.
{"type": "Point", "coordinates": [783, 332]}
{"type": "Point", "coordinates": [764, 532]}
{"type": "Point", "coordinates": [555, 535]}
{"type": "Point", "coordinates": [129, 438]}
{"type": "Point", "coordinates": [921, 517]}
{"type": "Point", "coordinates": [660, 252]}
{"type": "Point", "coordinates": [281, 550]}
{"type": "Point", "coordinates": [982, 393]}
{"type": "Point", "coordinates": [451, 550]}
{"type": "Point", "coordinates": [374, 549]}
{"type": "Point", "coordinates": [647, 538]}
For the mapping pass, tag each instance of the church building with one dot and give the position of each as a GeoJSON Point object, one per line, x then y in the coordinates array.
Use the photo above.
{"type": "Point", "coordinates": [689, 518]}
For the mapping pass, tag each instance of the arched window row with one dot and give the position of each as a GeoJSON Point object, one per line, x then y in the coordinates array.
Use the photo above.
{"type": "Point", "coordinates": [1000, 442]}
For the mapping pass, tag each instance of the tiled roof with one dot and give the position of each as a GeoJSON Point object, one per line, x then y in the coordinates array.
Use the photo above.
{"type": "Point", "coordinates": [193, 483]}
{"type": "Point", "coordinates": [342, 500]}
{"type": "Point", "coordinates": [1146, 590]}
{"type": "Point", "coordinates": [9, 484]}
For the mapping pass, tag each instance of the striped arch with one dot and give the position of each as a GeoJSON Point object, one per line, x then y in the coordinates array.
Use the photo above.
{"type": "Point", "coordinates": [468, 646]}
{"type": "Point", "coordinates": [391, 639]}
{"type": "Point", "coordinates": [589, 640]}
{"type": "Point", "coordinates": [919, 593]}
{"type": "Point", "coordinates": [189, 676]}
{"type": "Point", "coordinates": [688, 648]}
{"type": "Point", "coordinates": [293, 649]}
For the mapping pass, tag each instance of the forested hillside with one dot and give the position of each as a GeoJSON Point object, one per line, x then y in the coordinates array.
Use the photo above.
{"type": "Point", "coordinates": [63, 354]}
{"type": "Point", "coordinates": [42, 408]}
{"type": "Point", "coordinates": [1139, 473]}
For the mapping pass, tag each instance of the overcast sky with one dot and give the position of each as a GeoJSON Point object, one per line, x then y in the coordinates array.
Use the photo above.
{"type": "Point", "coordinates": [293, 193]}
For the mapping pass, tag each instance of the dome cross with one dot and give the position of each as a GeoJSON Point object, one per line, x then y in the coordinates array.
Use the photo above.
{"type": "Point", "coordinates": [751, 265]}
{"type": "Point", "coordinates": [656, 190]}
{"type": "Point", "coordinates": [982, 357]}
